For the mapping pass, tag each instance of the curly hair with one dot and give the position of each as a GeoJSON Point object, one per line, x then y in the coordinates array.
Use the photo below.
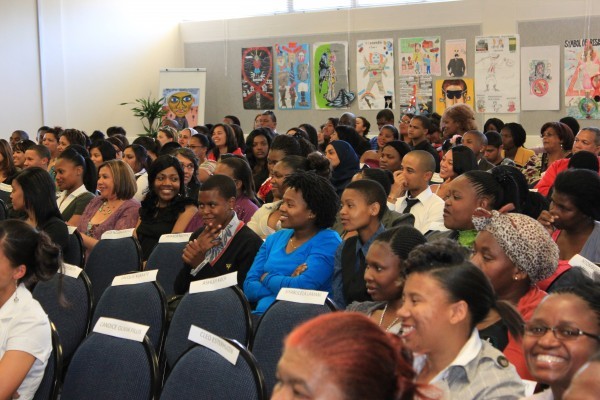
{"type": "Point", "coordinates": [319, 195]}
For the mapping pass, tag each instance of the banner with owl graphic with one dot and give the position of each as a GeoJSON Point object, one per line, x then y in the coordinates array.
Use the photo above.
{"type": "Point", "coordinates": [375, 74]}
{"type": "Point", "coordinates": [292, 76]}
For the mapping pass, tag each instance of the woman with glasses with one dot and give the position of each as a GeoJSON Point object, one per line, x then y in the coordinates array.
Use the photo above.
{"type": "Point", "coordinates": [189, 163]}
{"type": "Point", "coordinates": [515, 252]}
{"type": "Point", "coordinates": [557, 139]}
{"type": "Point", "coordinates": [200, 145]}
{"type": "Point", "coordinates": [560, 337]}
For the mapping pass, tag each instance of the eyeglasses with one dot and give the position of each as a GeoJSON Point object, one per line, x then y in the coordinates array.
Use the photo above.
{"type": "Point", "coordinates": [187, 166]}
{"type": "Point", "coordinates": [454, 94]}
{"type": "Point", "coordinates": [560, 332]}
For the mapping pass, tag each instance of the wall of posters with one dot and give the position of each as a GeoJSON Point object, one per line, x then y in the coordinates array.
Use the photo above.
{"type": "Point", "coordinates": [330, 78]}
{"type": "Point", "coordinates": [420, 56]}
{"type": "Point", "coordinates": [456, 57]}
{"type": "Point", "coordinates": [257, 78]}
{"type": "Point", "coordinates": [453, 91]}
{"type": "Point", "coordinates": [292, 69]}
{"type": "Point", "coordinates": [540, 75]}
{"type": "Point", "coordinates": [375, 74]}
{"type": "Point", "coordinates": [416, 94]}
{"type": "Point", "coordinates": [497, 74]}
{"type": "Point", "coordinates": [582, 78]}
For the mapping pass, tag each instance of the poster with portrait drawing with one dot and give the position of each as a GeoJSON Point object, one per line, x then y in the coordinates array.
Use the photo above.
{"type": "Point", "coordinates": [540, 75]}
{"type": "Point", "coordinates": [375, 74]}
{"type": "Point", "coordinates": [416, 94]}
{"type": "Point", "coordinates": [453, 91]}
{"type": "Point", "coordinates": [420, 56]}
{"type": "Point", "coordinates": [292, 72]}
{"type": "Point", "coordinates": [456, 57]}
{"type": "Point", "coordinates": [582, 78]}
{"type": "Point", "coordinates": [497, 74]}
{"type": "Point", "coordinates": [257, 78]}
{"type": "Point", "coordinates": [181, 105]}
{"type": "Point", "coordinates": [330, 76]}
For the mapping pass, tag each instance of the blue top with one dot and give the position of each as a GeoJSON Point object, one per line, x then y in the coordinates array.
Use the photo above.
{"type": "Point", "coordinates": [317, 253]}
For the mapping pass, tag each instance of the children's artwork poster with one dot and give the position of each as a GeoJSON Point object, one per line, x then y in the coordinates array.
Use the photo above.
{"type": "Point", "coordinates": [331, 84]}
{"type": "Point", "coordinates": [540, 75]}
{"type": "Point", "coordinates": [420, 56]}
{"type": "Point", "coordinates": [416, 94]}
{"type": "Point", "coordinates": [292, 69]}
{"type": "Point", "coordinates": [375, 74]}
{"type": "Point", "coordinates": [453, 91]}
{"type": "Point", "coordinates": [181, 105]}
{"type": "Point", "coordinates": [497, 74]}
{"type": "Point", "coordinates": [582, 78]}
{"type": "Point", "coordinates": [456, 57]}
{"type": "Point", "coordinates": [257, 78]}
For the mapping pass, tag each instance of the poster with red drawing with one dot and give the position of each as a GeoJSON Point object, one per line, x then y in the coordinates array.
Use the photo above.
{"type": "Point", "coordinates": [257, 78]}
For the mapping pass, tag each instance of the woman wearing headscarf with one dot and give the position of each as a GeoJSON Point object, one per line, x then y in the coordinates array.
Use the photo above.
{"type": "Point", "coordinates": [344, 163]}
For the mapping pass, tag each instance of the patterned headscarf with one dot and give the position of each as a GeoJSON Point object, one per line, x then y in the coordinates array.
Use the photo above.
{"type": "Point", "coordinates": [524, 240]}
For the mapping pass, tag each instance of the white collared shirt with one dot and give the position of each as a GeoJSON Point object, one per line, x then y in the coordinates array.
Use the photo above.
{"type": "Point", "coordinates": [428, 212]}
{"type": "Point", "coordinates": [64, 200]}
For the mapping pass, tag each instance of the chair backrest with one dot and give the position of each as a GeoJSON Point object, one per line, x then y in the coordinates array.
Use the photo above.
{"type": "Point", "coordinates": [142, 303]}
{"type": "Point", "coordinates": [75, 253]}
{"type": "Point", "coordinates": [106, 367]}
{"type": "Point", "coordinates": [50, 385]}
{"type": "Point", "coordinates": [219, 380]}
{"type": "Point", "coordinates": [276, 323]}
{"type": "Point", "coordinates": [166, 258]}
{"type": "Point", "coordinates": [109, 258]}
{"type": "Point", "coordinates": [223, 312]}
{"type": "Point", "coordinates": [72, 314]}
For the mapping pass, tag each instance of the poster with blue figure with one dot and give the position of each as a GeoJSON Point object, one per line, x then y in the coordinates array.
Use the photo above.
{"type": "Point", "coordinates": [292, 73]}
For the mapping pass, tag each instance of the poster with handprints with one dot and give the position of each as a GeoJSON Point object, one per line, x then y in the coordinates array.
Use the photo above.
{"type": "Point", "coordinates": [292, 71]}
{"type": "Point", "coordinates": [257, 78]}
{"type": "Point", "coordinates": [540, 73]}
{"type": "Point", "coordinates": [582, 78]}
{"type": "Point", "coordinates": [416, 94]}
{"type": "Point", "coordinates": [497, 72]}
{"type": "Point", "coordinates": [420, 56]}
{"type": "Point", "coordinates": [375, 74]}
{"type": "Point", "coordinates": [330, 78]}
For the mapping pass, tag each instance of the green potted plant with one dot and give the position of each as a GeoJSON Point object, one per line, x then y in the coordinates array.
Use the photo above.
{"type": "Point", "coordinates": [151, 112]}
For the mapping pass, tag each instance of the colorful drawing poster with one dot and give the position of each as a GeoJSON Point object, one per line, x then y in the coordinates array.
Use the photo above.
{"type": "Point", "coordinates": [416, 94]}
{"type": "Point", "coordinates": [420, 56]}
{"type": "Point", "coordinates": [375, 74]}
{"type": "Point", "coordinates": [292, 69]}
{"type": "Point", "coordinates": [330, 79]}
{"type": "Point", "coordinates": [497, 74]}
{"type": "Point", "coordinates": [181, 105]}
{"type": "Point", "coordinates": [456, 57]}
{"type": "Point", "coordinates": [582, 78]}
{"type": "Point", "coordinates": [540, 75]}
{"type": "Point", "coordinates": [453, 91]}
{"type": "Point", "coordinates": [257, 78]}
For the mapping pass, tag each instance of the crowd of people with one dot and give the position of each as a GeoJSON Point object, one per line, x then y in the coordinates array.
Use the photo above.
{"type": "Point", "coordinates": [451, 249]}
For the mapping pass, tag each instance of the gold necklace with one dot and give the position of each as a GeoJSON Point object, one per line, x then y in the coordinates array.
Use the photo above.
{"type": "Point", "coordinates": [105, 208]}
{"type": "Point", "coordinates": [383, 315]}
{"type": "Point", "coordinates": [292, 242]}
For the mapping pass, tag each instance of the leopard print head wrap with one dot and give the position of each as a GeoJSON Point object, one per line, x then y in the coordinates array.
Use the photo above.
{"type": "Point", "coordinates": [524, 240]}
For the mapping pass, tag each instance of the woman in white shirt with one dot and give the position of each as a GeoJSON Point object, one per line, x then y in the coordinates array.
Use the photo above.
{"type": "Point", "coordinates": [26, 256]}
{"type": "Point", "coordinates": [137, 157]}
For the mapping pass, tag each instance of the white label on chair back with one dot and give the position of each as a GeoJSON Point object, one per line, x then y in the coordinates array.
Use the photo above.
{"type": "Point", "coordinates": [302, 296]}
{"type": "Point", "coordinates": [71, 270]}
{"type": "Point", "coordinates": [121, 329]}
{"type": "Point", "coordinates": [118, 234]}
{"type": "Point", "coordinates": [135, 278]}
{"type": "Point", "coordinates": [5, 188]}
{"type": "Point", "coordinates": [215, 343]}
{"type": "Point", "coordinates": [71, 229]}
{"type": "Point", "coordinates": [175, 237]}
{"type": "Point", "coordinates": [590, 269]}
{"type": "Point", "coordinates": [212, 284]}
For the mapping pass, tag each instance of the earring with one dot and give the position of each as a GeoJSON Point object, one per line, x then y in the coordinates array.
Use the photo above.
{"type": "Point", "coordinates": [515, 278]}
{"type": "Point", "coordinates": [16, 295]}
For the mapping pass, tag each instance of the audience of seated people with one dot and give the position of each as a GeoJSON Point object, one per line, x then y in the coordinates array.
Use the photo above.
{"type": "Point", "coordinates": [407, 280]}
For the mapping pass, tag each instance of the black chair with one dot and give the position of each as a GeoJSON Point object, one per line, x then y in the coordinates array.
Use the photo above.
{"type": "Point", "coordinates": [142, 303]}
{"type": "Point", "coordinates": [71, 316]}
{"type": "Point", "coordinates": [107, 367]}
{"type": "Point", "coordinates": [75, 254]}
{"type": "Point", "coordinates": [110, 258]}
{"type": "Point", "coordinates": [166, 258]}
{"type": "Point", "coordinates": [218, 380]}
{"type": "Point", "coordinates": [223, 312]}
{"type": "Point", "coordinates": [276, 323]}
{"type": "Point", "coordinates": [50, 385]}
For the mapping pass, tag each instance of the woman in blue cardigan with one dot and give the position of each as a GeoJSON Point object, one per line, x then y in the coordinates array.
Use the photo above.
{"type": "Point", "coordinates": [301, 254]}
